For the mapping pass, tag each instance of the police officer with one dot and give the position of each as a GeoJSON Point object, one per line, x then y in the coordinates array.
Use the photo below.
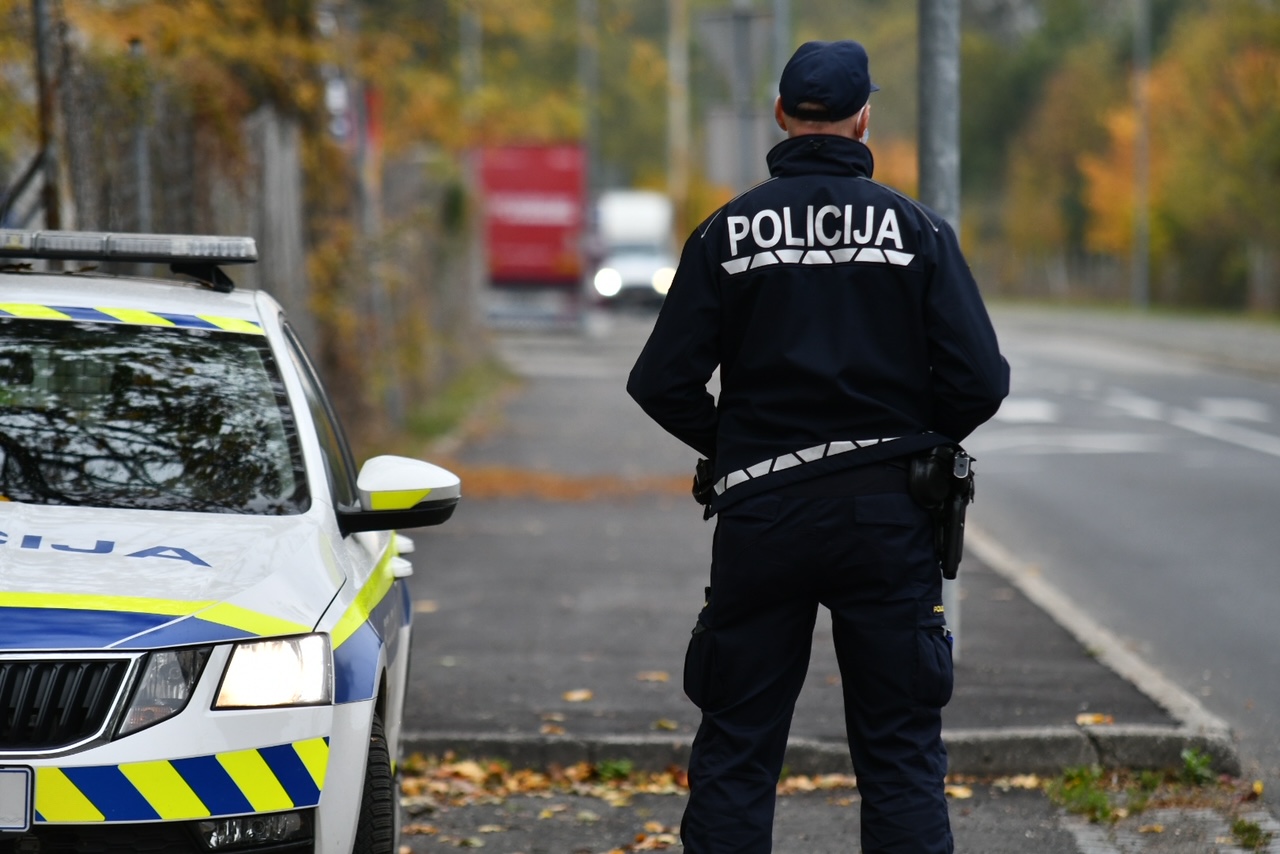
{"type": "Point", "coordinates": [850, 335]}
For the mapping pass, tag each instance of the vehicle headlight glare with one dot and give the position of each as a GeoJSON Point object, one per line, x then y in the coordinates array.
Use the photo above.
{"type": "Point", "coordinates": [295, 671]}
{"type": "Point", "coordinates": [168, 679]}
{"type": "Point", "coordinates": [662, 280]}
{"type": "Point", "coordinates": [608, 282]}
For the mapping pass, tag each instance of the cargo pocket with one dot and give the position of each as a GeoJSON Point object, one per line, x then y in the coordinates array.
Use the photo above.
{"type": "Point", "coordinates": [699, 663]}
{"type": "Point", "coordinates": [935, 673]}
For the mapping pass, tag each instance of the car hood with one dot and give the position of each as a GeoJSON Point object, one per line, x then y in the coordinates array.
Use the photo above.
{"type": "Point", "coordinates": [84, 578]}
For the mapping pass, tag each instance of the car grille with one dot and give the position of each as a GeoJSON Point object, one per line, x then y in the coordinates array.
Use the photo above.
{"type": "Point", "coordinates": [50, 704]}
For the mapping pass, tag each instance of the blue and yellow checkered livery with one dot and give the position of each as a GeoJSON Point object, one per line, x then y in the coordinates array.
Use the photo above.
{"type": "Point", "coordinates": [267, 779]}
{"type": "Point", "coordinates": [133, 316]}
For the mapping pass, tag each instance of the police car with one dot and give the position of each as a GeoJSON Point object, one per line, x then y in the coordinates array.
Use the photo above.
{"type": "Point", "coordinates": [204, 618]}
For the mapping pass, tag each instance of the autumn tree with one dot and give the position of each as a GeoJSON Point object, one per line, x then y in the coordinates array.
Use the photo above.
{"type": "Point", "coordinates": [1215, 160]}
{"type": "Point", "coordinates": [1046, 208]}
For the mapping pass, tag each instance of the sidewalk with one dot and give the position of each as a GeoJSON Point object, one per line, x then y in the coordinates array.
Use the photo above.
{"type": "Point", "coordinates": [553, 616]}
{"type": "Point", "coordinates": [507, 654]}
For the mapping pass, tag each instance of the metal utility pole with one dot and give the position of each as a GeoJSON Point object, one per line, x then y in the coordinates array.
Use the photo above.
{"type": "Point", "coordinates": [939, 150]}
{"type": "Point", "coordinates": [589, 80]}
{"type": "Point", "coordinates": [141, 157]}
{"type": "Point", "coordinates": [939, 155]}
{"type": "Point", "coordinates": [470, 59]}
{"type": "Point", "coordinates": [1141, 284]}
{"type": "Point", "coordinates": [44, 91]}
{"type": "Point", "coordinates": [782, 46]}
{"type": "Point", "coordinates": [743, 86]}
{"type": "Point", "coordinates": [678, 112]}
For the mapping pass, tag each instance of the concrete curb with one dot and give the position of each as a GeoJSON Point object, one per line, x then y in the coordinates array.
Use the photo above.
{"type": "Point", "coordinates": [994, 752]}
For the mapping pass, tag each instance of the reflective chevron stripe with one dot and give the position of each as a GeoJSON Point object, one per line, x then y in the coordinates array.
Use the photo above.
{"type": "Point", "coordinates": [865, 255]}
{"type": "Point", "coordinates": [287, 776]}
{"type": "Point", "coordinates": [786, 461]}
{"type": "Point", "coordinates": [132, 316]}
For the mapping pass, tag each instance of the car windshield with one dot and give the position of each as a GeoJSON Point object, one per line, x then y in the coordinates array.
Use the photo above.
{"type": "Point", "coordinates": [145, 417]}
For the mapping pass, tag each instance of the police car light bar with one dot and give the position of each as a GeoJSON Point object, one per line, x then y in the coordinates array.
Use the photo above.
{"type": "Point", "coordinates": [142, 248]}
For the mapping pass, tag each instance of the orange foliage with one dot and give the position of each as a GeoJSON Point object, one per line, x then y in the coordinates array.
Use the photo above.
{"type": "Point", "coordinates": [1215, 138]}
{"type": "Point", "coordinates": [1109, 191]}
{"type": "Point", "coordinates": [897, 164]}
{"type": "Point", "coordinates": [15, 103]}
{"type": "Point", "coordinates": [231, 52]}
{"type": "Point", "coordinates": [492, 482]}
{"type": "Point", "coordinates": [1068, 126]}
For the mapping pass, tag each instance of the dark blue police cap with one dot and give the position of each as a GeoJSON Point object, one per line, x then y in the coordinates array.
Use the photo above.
{"type": "Point", "coordinates": [833, 74]}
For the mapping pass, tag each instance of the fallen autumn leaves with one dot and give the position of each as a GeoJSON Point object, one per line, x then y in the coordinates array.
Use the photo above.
{"type": "Point", "coordinates": [429, 785]}
{"type": "Point", "coordinates": [433, 787]}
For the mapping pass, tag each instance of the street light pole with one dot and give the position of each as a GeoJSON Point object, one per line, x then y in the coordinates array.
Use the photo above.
{"type": "Point", "coordinates": [589, 80]}
{"type": "Point", "coordinates": [743, 88]}
{"type": "Point", "coordinates": [939, 153]}
{"type": "Point", "coordinates": [1142, 156]}
{"type": "Point", "coordinates": [678, 112]}
{"type": "Point", "coordinates": [781, 35]}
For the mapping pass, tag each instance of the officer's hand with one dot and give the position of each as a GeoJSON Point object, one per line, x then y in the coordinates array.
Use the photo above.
{"type": "Point", "coordinates": [704, 484]}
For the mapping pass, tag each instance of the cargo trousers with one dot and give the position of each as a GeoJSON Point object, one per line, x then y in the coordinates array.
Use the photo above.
{"type": "Point", "coordinates": [863, 549]}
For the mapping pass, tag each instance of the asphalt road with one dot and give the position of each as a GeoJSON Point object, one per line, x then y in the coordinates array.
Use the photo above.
{"type": "Point", "coordinates": [1143, 483]}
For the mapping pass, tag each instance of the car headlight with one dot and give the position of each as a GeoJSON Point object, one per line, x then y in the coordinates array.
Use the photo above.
{"type": "Point", "coordinates": [296, 671]}
{"type": "Point", "coordinates": [168, 678]}
{"type": "Point", "coordinates": [608, 282]}
{"type": "Point", "coordinates": [662, 279]}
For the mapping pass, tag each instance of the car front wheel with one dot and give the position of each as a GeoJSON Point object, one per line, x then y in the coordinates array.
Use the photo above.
{"type": "Point", "coordinates": [379, 807]}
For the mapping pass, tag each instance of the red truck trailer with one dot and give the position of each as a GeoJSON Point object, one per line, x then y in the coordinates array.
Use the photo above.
{"type": "Point", "coordinates": [534, 201]}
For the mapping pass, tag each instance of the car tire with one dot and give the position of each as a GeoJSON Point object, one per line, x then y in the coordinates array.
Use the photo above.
{"type": "Point", "coordinates": [379, 806]}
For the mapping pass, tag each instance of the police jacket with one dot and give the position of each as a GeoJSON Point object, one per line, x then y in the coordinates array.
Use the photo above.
{"type": "Point", "coordinates": [844, 320]}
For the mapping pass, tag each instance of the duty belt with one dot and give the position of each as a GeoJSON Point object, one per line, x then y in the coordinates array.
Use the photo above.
{"type": "Point", "coordinates": [798, 458]}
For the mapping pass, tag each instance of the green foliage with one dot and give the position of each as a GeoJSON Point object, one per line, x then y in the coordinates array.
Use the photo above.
{"type": "Point", "coordinates": [446, 411]}
{"type": "Point", "coordinates": [609, 770]}
{"type": "Point", "coordinates": [1197, 767]}
{"type": "Point", "coordinates": [1249, 835]}
{"type": "Point", "coordinates": [1103, 795]}
{"type": "Point", "coordinates": [1083, 790]}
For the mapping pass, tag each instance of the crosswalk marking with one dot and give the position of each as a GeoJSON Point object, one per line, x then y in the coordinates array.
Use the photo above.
{"type": "Point", "coordinates": [1212, 417]}
{"type": "Point", "coordinates": [1234, 434]}
{"type": "Point", "coordinates": [1235, 409]}
{"type": "Point", "coordinates": [1027, 410]}
{"type": "Point", "coordinates": [1135, 405]}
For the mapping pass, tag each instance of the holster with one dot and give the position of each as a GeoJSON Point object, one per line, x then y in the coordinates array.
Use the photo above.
{"type": "Point", "coordinates": [941, 481]}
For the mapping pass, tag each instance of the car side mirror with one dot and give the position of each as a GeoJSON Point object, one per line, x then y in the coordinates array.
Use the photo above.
{"type": "Point", "coordinates": [400, 492]}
